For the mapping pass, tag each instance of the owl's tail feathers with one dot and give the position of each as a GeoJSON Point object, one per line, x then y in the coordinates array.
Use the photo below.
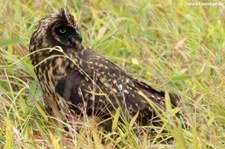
{"type": "Point", "coordinates": [174, 99]}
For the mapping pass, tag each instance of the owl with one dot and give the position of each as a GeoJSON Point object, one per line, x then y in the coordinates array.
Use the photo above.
{"type": "Point", "coordinates": [75, 79]}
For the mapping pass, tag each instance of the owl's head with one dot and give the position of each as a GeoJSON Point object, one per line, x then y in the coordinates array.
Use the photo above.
{"type": "Point", "coordinates": [56, 29]}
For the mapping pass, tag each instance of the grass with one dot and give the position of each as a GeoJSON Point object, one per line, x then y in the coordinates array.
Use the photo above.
{"type": "Point", "coordinates": [170, 45]}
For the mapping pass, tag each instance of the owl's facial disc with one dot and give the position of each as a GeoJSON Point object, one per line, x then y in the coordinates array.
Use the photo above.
{"type": "Point", "coordinates": [66, 35]}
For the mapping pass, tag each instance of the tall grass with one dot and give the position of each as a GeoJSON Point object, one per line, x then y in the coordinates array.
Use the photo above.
{"type": "Point", "coordinates": [170, 45]}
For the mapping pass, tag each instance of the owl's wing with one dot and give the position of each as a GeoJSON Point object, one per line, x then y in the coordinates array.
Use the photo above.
{"type": "Point", "coordinates": [68, 86]}
{"type": "Point", "coordinates": [109, 80]}
{"type": "Point", "coordinates": [158, 95]}
{"type": "Point", "coordinates": [95, 63]}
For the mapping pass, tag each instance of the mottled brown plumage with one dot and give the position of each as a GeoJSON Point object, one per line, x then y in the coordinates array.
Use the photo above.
{"type": "Point", "coordinates": [72, 76]}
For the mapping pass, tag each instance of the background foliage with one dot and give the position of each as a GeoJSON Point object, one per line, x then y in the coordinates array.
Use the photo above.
{"type": "Point", "coordinates": [171, 45]}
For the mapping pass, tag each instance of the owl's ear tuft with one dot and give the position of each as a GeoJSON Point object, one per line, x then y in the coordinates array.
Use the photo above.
{"type": "Point", "coordinates": [66, 13]}
{"type": "Point", "coordinates": [63, 12]}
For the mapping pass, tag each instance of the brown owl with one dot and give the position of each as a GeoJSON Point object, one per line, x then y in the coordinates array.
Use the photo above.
{"type": "Point", "coordinates": [75, 78]}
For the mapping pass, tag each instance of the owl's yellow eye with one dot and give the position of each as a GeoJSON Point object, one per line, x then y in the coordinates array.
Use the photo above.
{"type": "Point", "coordinates": [62, 30]}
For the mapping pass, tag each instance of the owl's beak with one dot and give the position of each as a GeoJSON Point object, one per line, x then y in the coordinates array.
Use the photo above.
{"type": "Point", "coordinates": [78, 35]}
{"type": "Point", "coordinates": [75, 38]}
